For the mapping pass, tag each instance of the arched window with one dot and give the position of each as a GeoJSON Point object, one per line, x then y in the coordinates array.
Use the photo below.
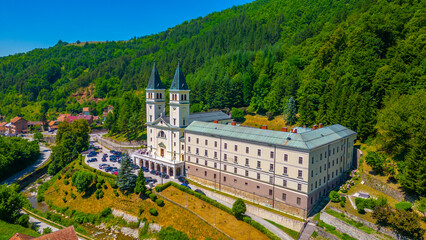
{"type": "Point", "coordinates": [184, 97]}
{"type": "Point", "coordinates": [162, 134]}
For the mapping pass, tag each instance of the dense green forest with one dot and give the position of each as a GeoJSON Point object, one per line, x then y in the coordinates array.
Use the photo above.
{"type": "Point", "coordinates": [342, 61]}
{"type": "Point", "coordinates": [16, 154]}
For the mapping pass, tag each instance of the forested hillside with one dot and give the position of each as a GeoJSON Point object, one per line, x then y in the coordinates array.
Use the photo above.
{"type": "Point", "coordinates": [339, 59]}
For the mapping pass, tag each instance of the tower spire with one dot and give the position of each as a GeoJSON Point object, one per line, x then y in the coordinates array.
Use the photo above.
{"type": "Point", "coordinates": [154, 81]}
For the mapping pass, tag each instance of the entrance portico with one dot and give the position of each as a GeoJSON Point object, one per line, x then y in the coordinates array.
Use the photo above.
{"type": "Point", "coordinates": [172, 168]}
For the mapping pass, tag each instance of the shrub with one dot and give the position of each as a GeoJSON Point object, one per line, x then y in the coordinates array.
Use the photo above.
{"type": "Point", "coordinates": [315, 234]}
{"type": "Point", "coordinates": [105, 186]}
{"type": "Point", "coordinates": [334, 196]}
{"type": "Point", "coordinates": [99, 194]}
{"type": "Point", "coordinates": [239, 208]}
{"type": "Point", "coordinates": [342, 204]}
{"type": "Point", "coordinates": [73, 196]}
{"type": "Point", "coordinates": [147, 193]}
{"type": "Point", "coordinates": [406, 206]}
{"type": "Point", "coordinates": [98, 186]}
{"type": "Point", "coordinates": [106, 212]}
{"type": "Point", "coordinates": [171, 233]}
{"type": "Point", "coordinates": [66, 182]}
{"type": "Point", "coordinates": [152, 196]}
{"type": "Point", "coordinates": [153, 212]}
{"type": "Point", "coordinates": [159, 202]}
{"type": "Point", "coordinates": [64, 199]}
{"type": "Point", "coordinates": [23, 220]}
{"type": "Point", "coordinates": [46, 230]}
{"type": "Point", "coordinates": [116, 193]}
{"type": "Point", "coordinates": [65, 192]}
{"type": "Point", "coordinates": [82, 180]}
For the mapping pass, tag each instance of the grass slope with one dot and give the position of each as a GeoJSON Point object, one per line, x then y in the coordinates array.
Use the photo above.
{"type": "Point", "coordinates": [7, 230]}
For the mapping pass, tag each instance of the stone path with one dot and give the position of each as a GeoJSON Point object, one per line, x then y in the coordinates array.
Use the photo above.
{"type": "Point", "coordinates": [307, 231]}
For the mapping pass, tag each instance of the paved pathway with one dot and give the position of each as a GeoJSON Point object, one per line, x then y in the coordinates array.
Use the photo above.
{"type": "Point", "coordinates": [44, 156]}
{"type": "Point", "coordinates": [41, 225]}
{"type": "Point", "coordinates": [307, 231]}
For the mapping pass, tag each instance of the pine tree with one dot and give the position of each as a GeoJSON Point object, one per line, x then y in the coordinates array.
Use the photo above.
{"type": "Point", "coordinates": [126, 180]}
{"type": "Point", "coordinates": [290, 111]}
{"type": "Point", "coordinates": [140, 183]}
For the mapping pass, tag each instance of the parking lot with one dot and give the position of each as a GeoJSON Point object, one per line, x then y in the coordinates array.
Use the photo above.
{"type": "Point", "coordinates": [115, 164]}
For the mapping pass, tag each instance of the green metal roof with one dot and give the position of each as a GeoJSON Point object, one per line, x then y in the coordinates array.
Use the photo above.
{"type": "Point", "coordinates": [308, 139]}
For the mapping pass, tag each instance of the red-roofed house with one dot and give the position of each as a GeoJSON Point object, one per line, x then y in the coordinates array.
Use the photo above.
{"type": "Point", "coordinates": [63, 234]}
{"type": "Point", "coordinates": [53, 125]}
{"type": "Point", "coordinates": [17, 125]}
{"type": "Point", "coordinates": [63, 117]}
{"type": "Point", "coordinates": [89, 118]}
{"type": "Point", "coordinates": [3, 127]}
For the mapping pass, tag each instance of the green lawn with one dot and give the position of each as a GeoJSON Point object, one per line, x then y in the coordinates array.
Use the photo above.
{"type": "Point", "coordinates": [7, 230]}
{"type": "Point", "coordinates": [291, 232]}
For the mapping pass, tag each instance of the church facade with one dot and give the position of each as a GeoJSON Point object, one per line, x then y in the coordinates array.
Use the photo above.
{"type": "Point", "coordinates": [290, 170]}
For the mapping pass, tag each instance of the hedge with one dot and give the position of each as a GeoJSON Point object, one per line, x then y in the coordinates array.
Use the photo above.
{"type": "Point", "coordinates": [222, 207]}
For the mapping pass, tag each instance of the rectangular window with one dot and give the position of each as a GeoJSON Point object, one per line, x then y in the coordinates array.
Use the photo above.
{"type": "Point", "coordinates": [197, 151]}
{"type": "Point", "coordinates": [189, 158]}
{"type": "Point", "coordinates": [247, 150]}
{"type": "Point", "coordinates": [299, 173]}
{"type": "Point", "coordinates": [300, 160]}
{"type": "Point", "coordinates": [215, 165]}
{"type": "Point", "coordinates": [258, 176]}
{"type": "Point", "coordinates": [198, 140]}
{"type": "Point", "coordinates": [247, 173]}
{"type": "Point", "coordinates": [236, 147]}
{"type": "Point", "coordinates": [214, 176]}
{"type": "Point", "coordinates": [285, 183]}
{"type": "Point", "coordinates": [189, 139]}
{"type": "Point", "coordinates": [299, 187]}
{"type": "Point", "coordinates": [285, 170]}
{"type": "Point", "coordinates": [205, 153]}
{"type": "Point", "coordinates": [312, 173]}
{"type": "Point", "coordinates": [215, 155]}
{"type": "Point", "coordinates": [272, 154]}
{"type": "Point", "coordinates": [206, 142]}
{"type": "Point", "coordinates": [235, 170]}
{"type": "Point", "coordinates": [312, 186]}
{"type": "Point", "coordinates": [320, 169]}
{"type": "Point", "coordinates": [319, 182]}
{"type": "Point", "coordinates": [235, 159]}
{"type": "Point", "coordinates": [247, 161]}
{"type": "Point", "coordinates": [316, 184]}
{"type": "Point", "coordinates": [321, 156]}
{"type": "Point", "coordinates": [225, 157]}
{"type": "Point", "coordinates": [225, 145]}
{"type": "Point", "coordinates": [270, 192]}
{"type": "Point", "coordinates": [325, 155]}
{"type": "Point", "coordinates": [258, 164]}
{"type": "Point", "coordinates": [259, 152]}
{"type": "Point", "coordinates": [271, 167]}
{"type": "Point", "coordinates": [284, 196]}
{"type": "Point", "coordinates": [183, 147]}
{"type": "Point", "coordinates": [271, 180]}
{"type": "Point", "coordinates": [224, 179]}
{"type": "Point", "coordinates": [285, 157]}
{"type": "Point", "coordinates": [196, 160]}
{"type": "Point", "coordinates": [224, 167]}
{"type": "Point", "coordinates": [215, 143]}
{"type": "Point", "coordinates": [205, 162]}
{"type": "Point", "coordinates": [189, 149]}
{"type": "Point", "coordinates": [205, 173]}
{"type": "Point", "coordinates": [299, 201]}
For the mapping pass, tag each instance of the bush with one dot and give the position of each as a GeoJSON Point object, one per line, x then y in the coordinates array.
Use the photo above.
{"type": "Point", "coordinates": [46, 230]}
{"type": "Point", "coordinates": [116, 193]}
{"type": "Point", "coordinates": [73, 196]}
{"type": "Point", "coordinates": [82, 180]}
{"type": "Point", "coordinates": [23, 220]}
{"type": "Point", "coordinates": [159, 202]}
{"type": "Point", "coordinates": [98, 186]}
{"type": "Point", "coordinates": [152, 196]}
{"type": "Point", "coordinates": [64, 199]}
{"type": "Point", "coordinates": [99, 194]}
{"type": "Point", "coordinates": [239, 208]}
{"type": "Point", "coordinates": [153, 212]}
{"type": "Point", "coordinates": [170, 233]}
{"type": "Point", "coordinates": [334, 196]}
{"type": "Point", "coordinates": [237, 114]}
{"type": "Point", "coordinates": [147, 193]}
{"type": "Point", "coordinates": [406, 206]}
{"type": "Point", "coordinates": [66, 182]}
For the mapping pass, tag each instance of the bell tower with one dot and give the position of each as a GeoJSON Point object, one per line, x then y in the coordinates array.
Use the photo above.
{"type": "Point", "coordinates": [179, 100]}
{"type": "Point", "coordinates": [155, 96]}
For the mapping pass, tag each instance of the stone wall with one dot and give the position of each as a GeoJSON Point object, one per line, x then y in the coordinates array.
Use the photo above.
{"type": "Point", "coordinates": [385, 231]}
{"type": "Point", "coordinates": [345, 227]}
{"type": "Point", "coordinates": [282, 220]}
{"type": "Point", "coordinates": [382, 187]}
{"type": "Point", "coordinates": [321, 232]}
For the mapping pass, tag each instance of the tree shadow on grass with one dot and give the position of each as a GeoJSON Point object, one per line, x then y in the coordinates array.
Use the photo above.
{"type": "Point", "coordinates": [90, 191]}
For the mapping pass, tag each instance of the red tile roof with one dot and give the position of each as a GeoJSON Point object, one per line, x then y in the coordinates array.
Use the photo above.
{"type": "Point", "coordinates": [63, 117]}
{"type": "Point", "coordinates": [85, 109]}
{"type": "Point", "coordinates": [20, 236]}
{"type": "Point", "coordinates": [15, 119]}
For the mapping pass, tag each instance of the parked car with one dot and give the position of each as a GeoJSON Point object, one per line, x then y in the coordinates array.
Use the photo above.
{"type": "Point", "coordinates": [200, 192]}
{"type": "Point", "coordinates": [92, 160]}
{"type": "Point", "coordinates": [182, 179]}
{"type": "Point", "coordinates": [103, 165]}
{"type": "Point", "coordinates": [108, 169]}
{"type": "Point", "coordinates": [145, 169]}
{"type": "Point", "coordinates": [134, 166]}
{"type": "Point", "coordinates": [164, 175]}
{"type": "Point", "coordinates": [152, 172]}
{"type": "Point", "coordinates": [115, 173]}
{"type": "Point", "coordinates": [104, 159]}
{"type": "Point", "coordinates": [186, 185]}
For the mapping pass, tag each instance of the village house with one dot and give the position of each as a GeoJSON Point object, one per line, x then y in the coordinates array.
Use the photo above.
{"type": "Point", "coordinates": [86, 111]}
{"type": "Point", "coordinates": [17, 125]}
{"type": "Point", "coordinates": [63, 234]}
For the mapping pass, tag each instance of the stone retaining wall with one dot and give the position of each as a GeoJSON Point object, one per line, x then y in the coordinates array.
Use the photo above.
{"type": "Point", "coordinates": [321, 232]}
{"type": "Point", "coordinates": [282, 220]}
{"type": "Point", "coordinates": [345, 227]}
{"type": "Point", "coordinates": [371, 225]}
{"type": "Point", "coordinates": [382, 187]}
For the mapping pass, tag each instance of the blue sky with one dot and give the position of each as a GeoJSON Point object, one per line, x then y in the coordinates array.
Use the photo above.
{"type": "Point", "coordinates": [26, 25]}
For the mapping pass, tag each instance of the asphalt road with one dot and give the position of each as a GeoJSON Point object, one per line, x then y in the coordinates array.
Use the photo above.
{"type": "Point", "coordinates": [44, 156]}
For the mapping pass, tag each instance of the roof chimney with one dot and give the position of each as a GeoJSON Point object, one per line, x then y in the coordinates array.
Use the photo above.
{"type": "Point", "coordinates": [216, 121]}
{"type": "Point", "coordinates": [234, 123]}
{"type": "Point", "coordinates": [315, 127]}
{"type": "Point", "coordinates": [284, 129]}
{"type": "Point", "coordinates": [320, 125]}
{"type": "Point", "coordinates": [264, 127]}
